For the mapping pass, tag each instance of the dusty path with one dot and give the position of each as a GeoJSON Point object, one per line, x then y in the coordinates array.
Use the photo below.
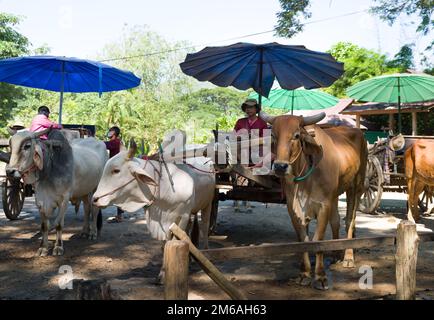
{"type": "Point", "coordinates": [129, 259]}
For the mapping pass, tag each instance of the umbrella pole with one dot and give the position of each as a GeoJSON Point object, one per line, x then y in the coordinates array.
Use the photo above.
{"type": "Point", "coordinates": [60, 107]}
{"type": "Point", "coordinates": [261, 70]}
{"type": "Point", "coordinates": [399, 108]}
{"type": "Point", "coordinates": [62, 88]}
{"type": "Point", "coordinates": [292, 103]}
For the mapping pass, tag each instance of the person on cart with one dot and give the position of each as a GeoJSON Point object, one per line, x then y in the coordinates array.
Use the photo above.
{"type": "Point", "coordinates": [251, 108]}
{"type": "Point", "coordinates": [42, 122]}
{"type": "Point", "coordinates": [114, 147]}
{"type": "Point", "coordinates": [252, 122]}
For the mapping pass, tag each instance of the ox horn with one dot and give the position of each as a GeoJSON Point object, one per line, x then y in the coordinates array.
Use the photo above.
{"type": "Point", "coordinates": [267, 117]}
{"type": "Point", "coordinates": [307, 121]}
{"type": "Point", "coordinates": [133, 149]}
{"type": "Point", "coordinates": [41, 133]}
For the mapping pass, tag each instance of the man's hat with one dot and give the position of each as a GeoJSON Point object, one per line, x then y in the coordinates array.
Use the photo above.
{"type": "Point", "coordinates": [397, 143]}
{"type": "Point", "coordinates": [250, 103]}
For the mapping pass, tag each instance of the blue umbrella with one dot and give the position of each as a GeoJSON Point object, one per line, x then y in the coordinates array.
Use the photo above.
{"type": "Point", "coordinates": [246, 65]}
{"type": "Point", "coordinates": [62, 74]}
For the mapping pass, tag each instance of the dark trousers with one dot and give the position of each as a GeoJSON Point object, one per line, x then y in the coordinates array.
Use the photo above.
{"type": "Point", "coordinates": [120, 211]}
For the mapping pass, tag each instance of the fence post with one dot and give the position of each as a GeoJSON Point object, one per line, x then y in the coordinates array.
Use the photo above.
{"type": "Point", "coordinates": [407, 242]}
{"type": "Point", "coordinates": [208, 267]}
{"type": "Point", "coordinates": [176, 260]}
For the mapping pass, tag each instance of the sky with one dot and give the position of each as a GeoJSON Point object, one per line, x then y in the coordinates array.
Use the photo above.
{"type": "Point", "coordinates": [81, 28]}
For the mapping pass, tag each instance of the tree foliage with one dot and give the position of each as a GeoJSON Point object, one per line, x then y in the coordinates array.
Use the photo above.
{"type": "Point", "coordinates": [390, 10]}
{"type": "Point", "coordinates": [403, 60]}
{"type": "Point", "coordinates": [12, 44]}
{"type": "Point", "coordinates": [360, 64]}
{"type": "Point", "coordinates": [288, 20]}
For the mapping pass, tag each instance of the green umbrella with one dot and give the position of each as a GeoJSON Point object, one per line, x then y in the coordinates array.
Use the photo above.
{"type": "Point", "coordinates": [300, 99]}
{"type": "Point", "coordinates": [394, 88]}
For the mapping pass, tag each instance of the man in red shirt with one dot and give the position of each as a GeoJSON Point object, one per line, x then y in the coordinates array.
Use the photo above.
{"type": "Point", "coordinates": [252, 121]}
{"type": "Point", "coordinates": [114, 147]}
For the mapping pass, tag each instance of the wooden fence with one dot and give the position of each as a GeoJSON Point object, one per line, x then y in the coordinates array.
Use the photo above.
{"type": "Point", "coordinates": [176, 258]}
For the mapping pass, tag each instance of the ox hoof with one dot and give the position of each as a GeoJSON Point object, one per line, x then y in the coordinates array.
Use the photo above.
{"type": "Point", "coordinates": [84, 235]}
{"type": "Point", "coordinates": [348, 263]}
{"type": "Point", "coordinates": [58, 251]}
{"type": "Point", "coordinates": [159, 280]}
{"type": "Point", "coordinates": [92, 236]}
{"type": "Point", "coordinates": [42, 252]}
{"type": "Point", "coordinates": [304, 280]}
{"type": "Point", "coordinates": [321, 283]}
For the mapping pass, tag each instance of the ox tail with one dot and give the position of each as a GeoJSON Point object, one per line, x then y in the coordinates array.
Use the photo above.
{"type": "Point", "coordinates": [195, 231]}
{"type": "Point", "coordinates": [99, 220]}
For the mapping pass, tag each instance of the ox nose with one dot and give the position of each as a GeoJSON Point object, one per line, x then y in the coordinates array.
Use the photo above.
{"type": "Point", "coordinates": [12, 173]}
{"type": "Point", "coordinates": [280, 168]}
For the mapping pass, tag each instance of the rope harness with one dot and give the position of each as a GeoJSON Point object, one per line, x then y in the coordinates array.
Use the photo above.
{"type": "Point", "coordinates": [299, 177]}
{"type": "Point", "coordinates": [154, 194]}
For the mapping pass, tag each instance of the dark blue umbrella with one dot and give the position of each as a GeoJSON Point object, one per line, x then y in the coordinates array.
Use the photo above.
{"type": "Point", "coordinates": [61, 74]}
{"type": "Point", "coordinates": [246, 65]}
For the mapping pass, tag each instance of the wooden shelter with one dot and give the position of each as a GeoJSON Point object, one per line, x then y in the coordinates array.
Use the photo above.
{"type": "Point", "coordinates": [373, 108]}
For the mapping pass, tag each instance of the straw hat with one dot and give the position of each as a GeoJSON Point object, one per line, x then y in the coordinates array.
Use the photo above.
{"type": "Point", "coordinates": [397, 143]}
{"type": "Point", "coordinates": [250, 103]}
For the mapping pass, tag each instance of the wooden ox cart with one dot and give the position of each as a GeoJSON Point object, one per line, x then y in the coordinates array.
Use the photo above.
{"type": "Point", "coordinates": [14, 191]}
{"type": "Point", "coordinates": [386, 171]}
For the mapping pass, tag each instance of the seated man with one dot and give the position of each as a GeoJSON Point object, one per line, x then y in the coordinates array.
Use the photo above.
{"type": "Point", "coordinates": [252, 121]}
{"type": "Point", "coordinates": [41, 122]}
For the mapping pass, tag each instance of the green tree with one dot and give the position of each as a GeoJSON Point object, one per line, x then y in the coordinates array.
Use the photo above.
{"type": "Point", "coordinates": [289, 22]}
{"type": "Point", "coordinates": [12, 44]}
{"type": "Point", "coordinates": [209, 107]}
{"type": "Point", "coordinates": [403, 60]}
{"type": "Point", "coordinates": [360, 64]}
{"type": "Point", "coordinates": [390, 10]}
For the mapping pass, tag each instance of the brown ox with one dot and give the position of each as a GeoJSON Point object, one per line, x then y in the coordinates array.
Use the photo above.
{"type": "Point", "coordinates": [419, 170]}
{"type": "Point", "coordinates": [316, 166]}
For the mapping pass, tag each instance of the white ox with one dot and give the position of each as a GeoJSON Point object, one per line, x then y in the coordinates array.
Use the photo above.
{"type": "Point", "coordinates": [60, 171]}
{"type": "Point", "coordinates": [131, 184]}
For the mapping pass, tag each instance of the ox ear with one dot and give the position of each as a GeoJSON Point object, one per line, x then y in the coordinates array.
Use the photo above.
{"type": "Point", "coordinates": [133, 149]}
{"type": "Point", "coordinates": [142, 176]}
{"type": "Point", "coordinates": [310, 147]}
{"type": "Point", "coordinates": [38, 158]}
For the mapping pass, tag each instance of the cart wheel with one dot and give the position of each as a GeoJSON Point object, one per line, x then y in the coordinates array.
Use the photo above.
{"type": "Point", "coordinates": [214, 213]}
{"type": "Point", "coordinates": [13, 198]}
{"type": "Point", "coordinates": [373, 186]}
{"type": "Point", "coordinates": [426, 200]}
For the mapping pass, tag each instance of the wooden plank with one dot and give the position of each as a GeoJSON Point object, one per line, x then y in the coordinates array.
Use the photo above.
{"type": "Point", "coordinates": [407, 242]}
{"type": "Point", "coordinates": [414, 123]}
{"type": "Point", "coordinates": [267, 250]}
{"type": "Point", "coordinates": [255, 194]}
{"type": "Point", "coordinates": [383, 111]}
{"type": "Point", "coordinates": [176, 261]}
{"type": "Point", "coordinates": [208, 267]}
{"type": "Point", "coordinates": [264, 181]}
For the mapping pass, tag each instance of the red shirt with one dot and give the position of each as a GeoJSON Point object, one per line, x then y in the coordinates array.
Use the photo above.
{"type": "Point", "coordinates": [114, 146]}
{"type": "Point", "coordinates": [246, 124]}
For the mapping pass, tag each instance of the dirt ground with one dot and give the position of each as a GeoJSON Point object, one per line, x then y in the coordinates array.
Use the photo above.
{"type": "Point", "coordinates": [129, 259]}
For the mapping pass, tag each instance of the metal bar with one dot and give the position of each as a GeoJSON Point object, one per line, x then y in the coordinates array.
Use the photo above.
{"type": "Point", "coordinates": [261, 70]}
{"type": "Point", "coordinates": [62, 88]}
{"type": "Point", "coordinates": [399, 107]}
